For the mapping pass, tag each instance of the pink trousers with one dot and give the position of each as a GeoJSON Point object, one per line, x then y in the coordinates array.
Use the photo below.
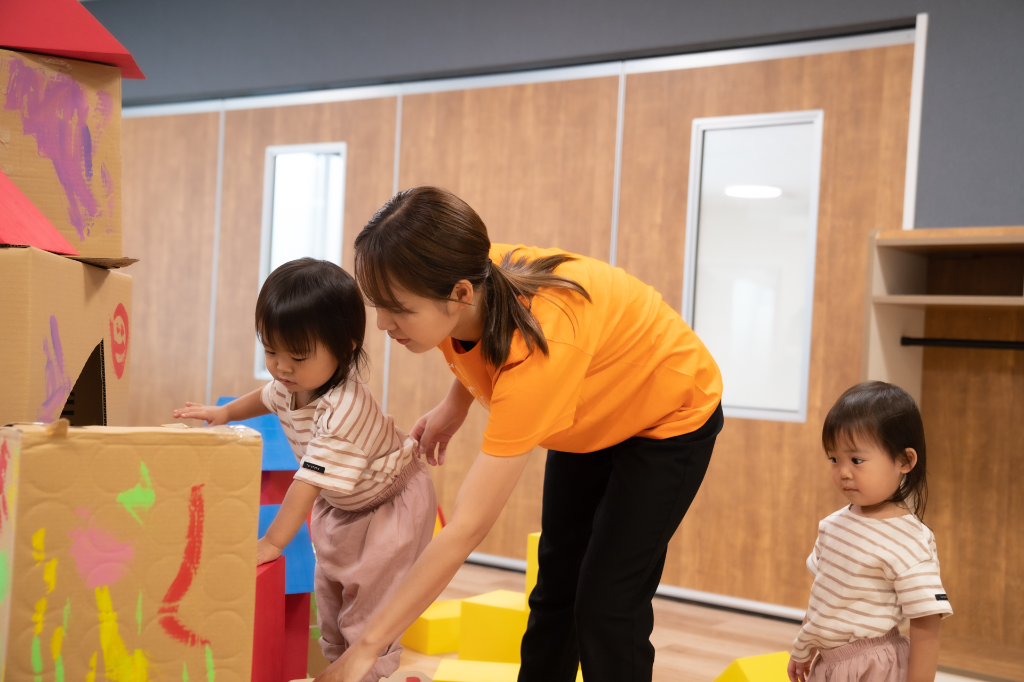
{"type": "Point", "coordinates": [362, 557]}
{"type": "Point", "coordinates": [881, 659]}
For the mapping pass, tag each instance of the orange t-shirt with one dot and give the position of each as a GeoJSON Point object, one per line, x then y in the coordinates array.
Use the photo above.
{"type": "Point", "coordinates": [624, 365]}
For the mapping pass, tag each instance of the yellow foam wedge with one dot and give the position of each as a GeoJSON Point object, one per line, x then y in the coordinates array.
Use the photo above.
{"type": "Point", "coordinates": [491, 627]}
{"type": "Point", "coordinates": [532, 543]}
{"type": "Point", "coordinates": [451, 670]}
{"type": "Point", "coordinates": [437, 630]}
{"type": "Point", "coordinates": [767, 668]}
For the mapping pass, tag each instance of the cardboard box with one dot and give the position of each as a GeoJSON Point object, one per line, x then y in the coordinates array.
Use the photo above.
{"type": "Point", "coordinates": [128, 553]}
{"type": "Point", "coordinates": [66, 340]}
{"type": "Point", "coordinates": [60, 142]}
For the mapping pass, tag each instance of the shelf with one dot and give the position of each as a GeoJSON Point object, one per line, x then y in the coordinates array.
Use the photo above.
{"type": "Point", "coordinates": [970, 239]}
{"type": "Point", "coordinates": [952, 301]}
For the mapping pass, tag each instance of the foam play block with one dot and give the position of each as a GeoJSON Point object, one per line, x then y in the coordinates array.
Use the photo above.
{"type": "Point", "coordinates": [127, 553]}
{"type": "Point", "coordinates": [268, 641]}
{"type": "Point", "coordinates": [437, 630]}
{"type": "Point", "coordinates": [301, 560]}
{"type": "Point", "coordinates": [532, 543]}
{"type": "Point", "coordinates": [450, 670]}
{"type": "Point", "coordinates": [766, 668]}
{"type": "Point", "coordinates": [492, 627]}
{"type": "Point", "coordinates": [296, 634]}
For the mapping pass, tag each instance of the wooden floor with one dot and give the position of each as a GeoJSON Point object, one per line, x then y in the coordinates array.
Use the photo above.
{"type": "Point", "coordinates": [693, 643]}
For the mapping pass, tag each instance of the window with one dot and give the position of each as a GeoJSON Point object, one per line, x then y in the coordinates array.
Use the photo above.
{"type": "Point", "coordinates": [303, 208]}
{"type": "Point", "coordinates": [750, 243]}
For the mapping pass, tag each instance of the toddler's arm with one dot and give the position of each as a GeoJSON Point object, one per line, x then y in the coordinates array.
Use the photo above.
{"type": "Point", "coordinates": [924, 648]}
{"type": "Point", "coordinates": [298, 502]}
{"type": "Point", "coordinates": [248, 406]}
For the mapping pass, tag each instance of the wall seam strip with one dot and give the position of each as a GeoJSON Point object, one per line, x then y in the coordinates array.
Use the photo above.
{"type": "Point", "coordinates": [620, 115]}
{"type": "Point", "coordinates": [394, 191]}
{"type": "Point", "coordinates": [914, 127]}
{"type": "Point", "coordinates": [219, 193]}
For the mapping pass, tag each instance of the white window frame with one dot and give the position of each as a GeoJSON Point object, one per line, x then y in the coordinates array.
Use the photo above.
{"type": "Point", "coordinates": [816, 117]}
{"type": "Point", "coordinates": [269, 165]}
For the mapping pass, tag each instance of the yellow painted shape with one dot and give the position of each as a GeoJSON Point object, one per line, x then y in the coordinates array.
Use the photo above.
{"type": "Point", "coordinates": [39, 546]}
{"type": "Point", "coordinates": [492, 627]}
{"type": "Point", "coordinates": [766, 668]}
{"type": "Point", "coordinates": [50, 575]}
{"type": "Point", "coordinates": [39, 616]}
{"type": "Point", "coordinates": [119, 664]}
{"type": "Point", "coordinates": [437, 630]}
{"type": "Point", "coordinates": [437, 525]}
{"type": "Point", "coordinates": [91, 675]}
{"type": "Point", "coordinates": [56, 642]}
{"type": "Point", "coordinates": [450, 670]}
{"type": "Point", "coordinates": [532, 543]}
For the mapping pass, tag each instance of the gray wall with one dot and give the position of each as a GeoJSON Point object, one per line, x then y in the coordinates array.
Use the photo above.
{"type": "Point", "coordinates": [972, 147]}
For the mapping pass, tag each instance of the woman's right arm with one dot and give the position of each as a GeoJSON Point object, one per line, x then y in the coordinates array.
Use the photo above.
{"type": "Point", "coordinates": [248, 406]}
{"type": "Point", "coordinates": [436, 428]}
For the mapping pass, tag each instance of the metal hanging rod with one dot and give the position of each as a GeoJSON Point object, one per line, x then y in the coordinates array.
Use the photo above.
{"type": "Point", "coordinates": [962, 343]}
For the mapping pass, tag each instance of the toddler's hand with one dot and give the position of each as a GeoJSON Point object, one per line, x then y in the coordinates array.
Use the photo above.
{"type": "Point", "coordinates": [799, 670]}
{"type": "Point", "coordinates": [213, 415]}
{"type": "Point", "coordinates": [265, 551]}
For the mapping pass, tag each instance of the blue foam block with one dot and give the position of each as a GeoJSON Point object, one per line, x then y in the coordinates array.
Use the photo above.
{"type": "Point", "coordinates": [277, 451]}
{"type": "Point", "coordinates": [299, 559]}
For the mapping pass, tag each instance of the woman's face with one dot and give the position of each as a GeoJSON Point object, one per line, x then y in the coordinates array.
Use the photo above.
{"type": "Point", "coordinates": [429, 321]}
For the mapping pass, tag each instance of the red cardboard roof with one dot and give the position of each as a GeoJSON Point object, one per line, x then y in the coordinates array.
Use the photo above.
{"type": "Point", "coordinates": [63, 28]}
{"type": "Point", "coordinates": [23, 224]}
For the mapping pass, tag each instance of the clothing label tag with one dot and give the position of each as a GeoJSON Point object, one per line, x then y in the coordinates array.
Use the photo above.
{"type": "Point", "coordinates": [941, 597]}
{"type": "Point", "coordinates": [319, 469]}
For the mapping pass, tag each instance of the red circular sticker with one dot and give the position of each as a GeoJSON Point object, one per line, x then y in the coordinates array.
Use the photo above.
{"type": "Point", "coordinates": [119, 339]}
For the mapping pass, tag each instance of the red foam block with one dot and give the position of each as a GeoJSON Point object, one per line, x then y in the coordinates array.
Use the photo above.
{"type": "Point", "coordinates": [296, 635]}
{"type": "Point", "coordinates": [23, 224]}
{"type": "Point", "coordinates": [64, 28]}
{"type": "Point", "coordinates": [268, 642]}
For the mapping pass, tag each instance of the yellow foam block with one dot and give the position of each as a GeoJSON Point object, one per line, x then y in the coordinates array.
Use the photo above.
{"type": "Point", "coordinates": [766, 668]}
{"type": "Point", "coordinates": [437, 630]}
{"type": "Point", "coordinates": [532, 543]}
{"type": "Point", "coordinates": [451, 670]}
{"type": "Point", "coordinates": [492, 626]}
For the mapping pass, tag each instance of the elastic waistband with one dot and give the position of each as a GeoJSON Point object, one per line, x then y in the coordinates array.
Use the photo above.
{"type": "Point", "coordinates": [841, 653]}
{"type": "Point", "coordinates": [392, 490]}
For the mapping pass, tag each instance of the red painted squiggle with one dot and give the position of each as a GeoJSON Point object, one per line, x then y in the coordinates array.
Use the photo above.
{"type": "Point", "coordinates": [5, 460]}
{"type": "Point", "coordinates": [170, 622]}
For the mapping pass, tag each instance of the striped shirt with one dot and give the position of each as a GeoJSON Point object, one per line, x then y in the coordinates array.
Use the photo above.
{"type": "Point", "coordinates": [345, 444]}
{"type": "Point", "coordinates": [869, 574]}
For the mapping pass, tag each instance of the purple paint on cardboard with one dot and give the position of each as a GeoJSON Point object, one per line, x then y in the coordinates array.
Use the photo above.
{"type": "Point", "coordinates": [58, 383]}
{"type": "Point", "coordinates": [99, 557]}
{"type": "Point", "coordinates": [108, 187]}
{"type": "Point", "coordinates": [54, 110]}
{"type": "Point", "coordinates": [104, 105]}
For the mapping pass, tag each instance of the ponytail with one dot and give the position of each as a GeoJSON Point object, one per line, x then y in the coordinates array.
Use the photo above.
{"type": "Point", "coordinates": [425, 240]}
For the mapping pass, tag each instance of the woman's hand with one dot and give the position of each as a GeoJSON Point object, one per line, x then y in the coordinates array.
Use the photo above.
{"type": "Point", "coordinates": [436, 428]}
{"type": "Point", "coordinates": [353, 665]}
{"type": "Point", "coordinates": [214, 415]}
{"type": "Point", "coordinates": [799, 670]}
{"type": "Point", "coordinates": [266, 551]}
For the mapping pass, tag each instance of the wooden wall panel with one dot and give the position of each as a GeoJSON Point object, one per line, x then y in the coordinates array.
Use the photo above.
{"type": "Point", "coordinates": [755, 519]}
{"type": "Point", "coordinates": [169, 189]}
{"type": "Point", "coordinates": [537, 163]}
{"type": "Point", "coordinates": [368, 127]}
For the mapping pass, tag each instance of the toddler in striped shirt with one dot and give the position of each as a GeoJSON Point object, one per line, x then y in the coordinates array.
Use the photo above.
{"type": "Point", "coordinates": [874, 562]}
{"type": "Point", "coordinates": [372, 501]}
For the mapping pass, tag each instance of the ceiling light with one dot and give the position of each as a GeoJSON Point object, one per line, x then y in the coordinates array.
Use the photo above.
{"type": "Point", "coordinates": [753, 191]}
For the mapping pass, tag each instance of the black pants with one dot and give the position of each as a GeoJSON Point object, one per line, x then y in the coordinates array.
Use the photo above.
{"type": "Point", "coordinates": [606, 522]}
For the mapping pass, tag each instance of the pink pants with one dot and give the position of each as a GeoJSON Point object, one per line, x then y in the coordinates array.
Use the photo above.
{"type": "Point", "coordinates": [881, 659]}
{"type": "Point", "coordinates": [362, 557]}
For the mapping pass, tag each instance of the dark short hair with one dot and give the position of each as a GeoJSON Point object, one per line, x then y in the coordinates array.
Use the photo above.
{"type": "Point", "coordinates": [309, 301]}
{"type": "Point", "coordinates": [887, 416]}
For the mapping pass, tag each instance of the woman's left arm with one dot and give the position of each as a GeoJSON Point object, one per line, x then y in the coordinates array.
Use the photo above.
{"type": "Point", "coordinates": [481, 498]}
{"type": "Point", "coordinates": [924, 648]}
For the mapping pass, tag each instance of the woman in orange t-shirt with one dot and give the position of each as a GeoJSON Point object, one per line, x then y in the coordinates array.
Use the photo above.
{"type": "Point", "coordinates": [566, 353]}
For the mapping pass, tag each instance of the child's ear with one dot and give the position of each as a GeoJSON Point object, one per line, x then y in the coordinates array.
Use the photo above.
{"type": "Point", "coordinates": [910, 460]}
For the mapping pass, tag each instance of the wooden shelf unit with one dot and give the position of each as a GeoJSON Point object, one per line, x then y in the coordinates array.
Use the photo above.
{"type": "Point", "coordinates": [905, 267]}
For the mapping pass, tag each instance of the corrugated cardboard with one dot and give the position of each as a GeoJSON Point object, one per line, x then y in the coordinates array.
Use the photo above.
{"type": "Point", "coordinates": [131, 553]}
{"type": "Point", "coordinates": [56, 314]}
{"type": "Point", "coordinates": [60, 142]}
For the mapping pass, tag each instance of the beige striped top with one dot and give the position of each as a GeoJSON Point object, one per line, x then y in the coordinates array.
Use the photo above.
{"type": "Point", "coordinates": [869, 574]}
{"type": "Point", "coordinates": [345, 444]}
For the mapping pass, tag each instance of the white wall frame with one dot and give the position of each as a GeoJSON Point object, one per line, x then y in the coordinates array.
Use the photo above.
{"type": "Point", "coordinates": [269, 164]}
{"type": "Point", "coordinates": [815, 117]}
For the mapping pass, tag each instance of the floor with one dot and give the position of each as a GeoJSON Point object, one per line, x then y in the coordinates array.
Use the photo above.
{"type": "Point", "coordinates": [693, 643]}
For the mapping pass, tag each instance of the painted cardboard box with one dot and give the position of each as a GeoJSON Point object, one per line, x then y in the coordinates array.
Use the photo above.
{"type": "Point", "coordinates": [65, 332]}
{"type": "Point", "coordinates": [60, 142]}
{"type": "Point", "coordinates": [127, 554]}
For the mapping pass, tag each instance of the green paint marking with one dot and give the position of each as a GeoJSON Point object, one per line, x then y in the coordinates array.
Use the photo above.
{"type": "Point", "coordinates": [142, 495]}
{"type": "Point", "coordinates": [67, 612]}
{"type": "Point", "coordinates": [4, 576]}
{"type": "Point", "coordinates": [37, 658]}
{"type": "Point", "coordinates": [184, 672]}
{"type": "Point", "coordinates": [210, 673]}
{"type": "Point", "coordinates": [58, 671]}
{"type": "Point", "coordinates": [138, 612]}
